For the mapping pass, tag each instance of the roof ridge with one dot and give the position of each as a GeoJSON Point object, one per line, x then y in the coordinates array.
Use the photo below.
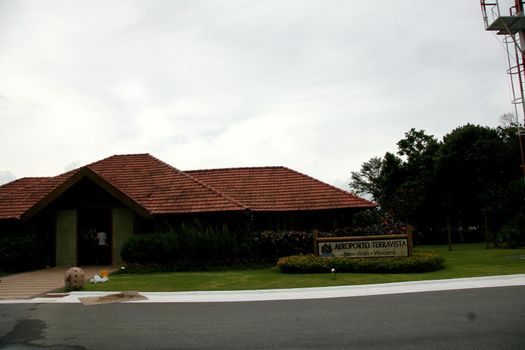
{"type": "Point", "coordinates": [202, 183]}
{"type": "Point", "coordinates": [114, 156]}
{"type": "Point", "coordinates": [240, 168]}
{"type": "Point", "coordinates": [89, 166]}
{"type": "Point", "coordinates": [31, 177]}
{"type": "Point", "coordinates": [24, 178]}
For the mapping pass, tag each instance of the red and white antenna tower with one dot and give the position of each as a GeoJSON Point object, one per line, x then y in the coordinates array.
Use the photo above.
{"type": "Point", "coordinates": [506, 18]}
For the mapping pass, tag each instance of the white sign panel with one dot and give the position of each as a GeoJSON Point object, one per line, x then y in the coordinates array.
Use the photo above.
{"type": "Point", "coordinates": [364, 249]}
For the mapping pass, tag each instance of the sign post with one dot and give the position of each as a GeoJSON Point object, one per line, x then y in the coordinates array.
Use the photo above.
{"type": "Point", "coordinates": [316, 246]}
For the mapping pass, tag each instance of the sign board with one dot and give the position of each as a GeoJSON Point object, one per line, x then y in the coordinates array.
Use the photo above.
{"type": "Point", "coordinates": [365, 246]}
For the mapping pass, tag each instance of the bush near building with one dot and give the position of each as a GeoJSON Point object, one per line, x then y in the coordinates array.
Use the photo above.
{"type": "Point", "coordinates": [203, 247]}
{"type": "Point", "coordinates": [21, 253]}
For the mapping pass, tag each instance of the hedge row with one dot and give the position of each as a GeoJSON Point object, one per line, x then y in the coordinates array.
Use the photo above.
{"type": "Point", "coordinates": [206, 246]}
{"type": "Point", "coordinates": [21, 252]}
{"type": "Point", "coordinates": [419, 262]}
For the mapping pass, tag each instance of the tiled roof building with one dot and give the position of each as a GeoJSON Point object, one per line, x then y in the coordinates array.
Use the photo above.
{"type": "Point", "coordinates": [121, 191]}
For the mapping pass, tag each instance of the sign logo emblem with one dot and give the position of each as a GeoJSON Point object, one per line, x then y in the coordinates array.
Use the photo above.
{"type": "Point", "coordinates": [326, 250]}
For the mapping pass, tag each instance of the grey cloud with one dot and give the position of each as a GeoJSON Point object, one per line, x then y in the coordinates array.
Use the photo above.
{"type": "Point", "coordinates": [6, 176]}
{"type": "Point", "coordinates": [204, 82]}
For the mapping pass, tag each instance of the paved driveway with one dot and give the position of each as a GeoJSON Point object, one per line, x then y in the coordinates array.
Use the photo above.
{"type": "Point", "coordinates": [472, 319]}
{"type": "Point", "coordinates": [34, 283]}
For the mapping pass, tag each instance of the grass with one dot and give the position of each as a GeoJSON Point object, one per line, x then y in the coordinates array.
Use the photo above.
{"type": "Point", "coordinates": [465, 260]}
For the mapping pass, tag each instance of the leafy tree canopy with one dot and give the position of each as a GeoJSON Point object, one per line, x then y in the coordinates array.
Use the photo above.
{"type": "Point", "coordinates": [469, 175]}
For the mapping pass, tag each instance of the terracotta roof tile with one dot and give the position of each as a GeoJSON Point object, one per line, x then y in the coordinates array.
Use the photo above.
{"type": "Point", "coordinates": [19, 196]}
{"type": "Point", "coordinates": [278, 189]}
{"type": "Point", "coordinates": [159, 188]}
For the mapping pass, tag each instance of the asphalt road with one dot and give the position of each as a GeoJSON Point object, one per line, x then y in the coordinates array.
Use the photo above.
{"type": "Point", "coordinates": [489, 318]}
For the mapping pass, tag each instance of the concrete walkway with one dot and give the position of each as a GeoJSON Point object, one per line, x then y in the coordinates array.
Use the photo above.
{"type": "Point", "coordinates": [295, 293]}
{"type": "Point", "coordinates": [36, 283]}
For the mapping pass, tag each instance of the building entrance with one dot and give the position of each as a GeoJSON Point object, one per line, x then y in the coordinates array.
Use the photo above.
{"type": "Point", "coordinates": [94, 236]}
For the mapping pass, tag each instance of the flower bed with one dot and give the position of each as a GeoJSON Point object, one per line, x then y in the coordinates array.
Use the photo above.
{"type": "Point", "coordinates": [419, 262]}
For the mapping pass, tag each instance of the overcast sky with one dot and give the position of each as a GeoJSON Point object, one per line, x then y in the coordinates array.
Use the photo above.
{"type": "Point", "coordinates": [317, 86]}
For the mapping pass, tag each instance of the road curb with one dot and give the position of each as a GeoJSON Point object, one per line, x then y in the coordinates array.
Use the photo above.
{"type": "Point", "coordinates": [296, 293]}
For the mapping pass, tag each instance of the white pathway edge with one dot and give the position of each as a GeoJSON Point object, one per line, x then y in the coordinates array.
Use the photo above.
{"type": "Point", "coordinates": [300, 293]}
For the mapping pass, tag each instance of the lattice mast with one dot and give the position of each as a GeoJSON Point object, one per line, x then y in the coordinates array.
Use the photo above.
{"type": "Point", "coordinates": [506, 18]}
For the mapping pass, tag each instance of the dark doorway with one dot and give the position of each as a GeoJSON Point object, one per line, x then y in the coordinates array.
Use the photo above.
{"type": "Point", "coordinates": [94, 237]}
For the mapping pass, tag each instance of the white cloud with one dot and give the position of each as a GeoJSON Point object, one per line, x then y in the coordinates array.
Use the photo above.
{"type": "Point", "coordinates": [317, 86]}
{"type": "Point", "coordinates": [6, 176]}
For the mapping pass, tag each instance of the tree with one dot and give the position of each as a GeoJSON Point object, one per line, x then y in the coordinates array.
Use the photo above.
{"type": "Point", "coordinates": [510, 215]}
{"type": "Point", "coordinates": [401, 183]}
{"type": "Point", "coordinates": [508, 120]}
{"type": "Point", "coordinates": [418, 148]}
{"type": "Point", "coordinates": [417, 189]}
{"type": "Point", "coordinates": [368, 179]}
{"type": "Point", "coordinates": [471, 173]}
{"type": "Point", "coordinates": [473, 176]}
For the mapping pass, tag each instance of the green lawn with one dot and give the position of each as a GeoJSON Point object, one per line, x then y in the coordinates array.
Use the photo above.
{"type": "Point", "coordinates": [465, 260]}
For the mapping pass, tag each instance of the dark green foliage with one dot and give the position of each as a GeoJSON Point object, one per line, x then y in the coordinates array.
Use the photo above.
{"type": "Point", "coordinates": [155, 268]}
{"type": "Point", "coordinates": [136, 268]}
{"type": "Point", "coordinates": [470, 167]}
{"type": "Point", "coordinates": [512, 232]}
{"type": "Point", "coordinates": [271, 245]}
{"type": "Point", "coordinates": [158, 248]}
{"type": "Point", "coordinates": [471, 177]}
{"type": "Point", "coordinates": [370, 222]}
{"type": "Point", "coordinates": [200, 243]}
{"type": "Point", "coordinates": [368, 179]}
{"type": "Point", "coordinates": [192, 244]}
{"type": "Point", "coordinates": [198, 246]}
{"type": "Point", "coordinates": [21, 253]}
{"type": "Point", "coordinates": [419, 262]}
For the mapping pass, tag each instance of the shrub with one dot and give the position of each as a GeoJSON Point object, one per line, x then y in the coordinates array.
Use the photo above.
{"type": "Point", "coordinates": [419, 262]}
{"type": "Point", "coordinates": [201, 246]}
{"type": "Point", "coordinates": [513, 232]}
{"type": "Point", "coordinates": [190, 246]}
{"type": "Point", "coordinates": [271, 245]}
{"type": "Point", "coordinates": [21, 252]}
{"type": "Point", "coordinates": [151, 248]}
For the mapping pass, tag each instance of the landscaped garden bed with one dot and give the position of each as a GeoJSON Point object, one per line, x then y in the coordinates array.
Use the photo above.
{"type": "Point", "coordinates": [419, 262]}
{"type": "Point", "coordinates": [465, 260]}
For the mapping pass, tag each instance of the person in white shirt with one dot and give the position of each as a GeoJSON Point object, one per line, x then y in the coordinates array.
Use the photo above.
{"type": "Point", "coordinates": [102, 238]}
